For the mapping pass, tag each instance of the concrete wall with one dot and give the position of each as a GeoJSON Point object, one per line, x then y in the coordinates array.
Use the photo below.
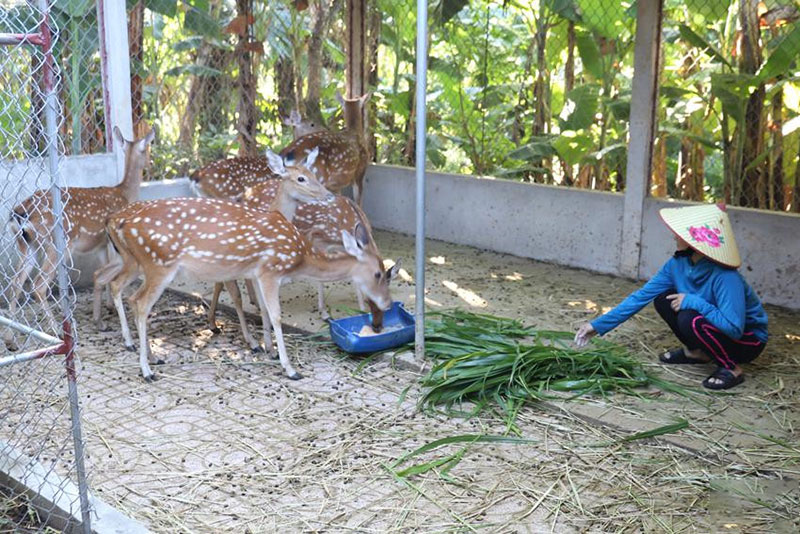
{"type": "Point", "coordinates": [548, 223]}
{"type": "Point", "coordinates": [573, 227]}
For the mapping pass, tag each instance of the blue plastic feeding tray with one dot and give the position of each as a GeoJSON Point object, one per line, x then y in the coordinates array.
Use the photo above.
{"type": "Point", "coordinates": [398, 329]}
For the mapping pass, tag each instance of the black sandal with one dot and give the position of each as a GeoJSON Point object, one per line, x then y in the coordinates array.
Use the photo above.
{"type": "Point", "coordinates": [726, 376]}
{"type": "Point", "coordinates": [678, 356]}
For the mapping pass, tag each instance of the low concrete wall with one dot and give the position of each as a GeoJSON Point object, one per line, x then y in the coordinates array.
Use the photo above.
{"type": "Point", "coordinates": [555, 224]}
{"type": "Point", "coordinates": [572, 227]}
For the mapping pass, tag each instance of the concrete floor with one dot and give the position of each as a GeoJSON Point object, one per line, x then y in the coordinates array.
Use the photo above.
{"type": "Point", "coordinates": [223, 444]}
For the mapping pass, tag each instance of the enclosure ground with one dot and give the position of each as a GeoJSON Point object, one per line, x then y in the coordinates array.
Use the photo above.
{"type": "Point", "coordinates": [224, 444]}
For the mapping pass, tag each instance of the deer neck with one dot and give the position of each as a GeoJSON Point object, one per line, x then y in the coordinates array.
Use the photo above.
{"type": "Point", "coordinates": [284, 203]}
{"type": "Point", "coordinates": [132, 180]}
{"type": "Point", "coordinates": [320, 267]}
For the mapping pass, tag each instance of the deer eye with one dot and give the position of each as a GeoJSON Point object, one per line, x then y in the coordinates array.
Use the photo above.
{"type": "Point", "coordinates": [301, 179]}
{"type": "Point", "coordinates": [378, 275]}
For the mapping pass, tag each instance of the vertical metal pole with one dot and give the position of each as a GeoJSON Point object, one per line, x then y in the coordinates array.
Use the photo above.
{"type": "Point", "coordinates": [60, 242]}
{"type": "Point", "coordinates": [422, 79]}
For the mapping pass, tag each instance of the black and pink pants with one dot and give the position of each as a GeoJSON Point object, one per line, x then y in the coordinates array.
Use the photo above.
{"type": "Point", "coordinates": [694, 331]}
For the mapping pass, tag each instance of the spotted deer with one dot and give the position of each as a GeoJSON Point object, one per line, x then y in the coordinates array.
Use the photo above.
{"type": "Point", "coordinates": [321, 223]}
{"type": "Point", "coordinates": [85, 212]}
{"type": "Point", "coordinates": [218, 240]}
{"type": "Point", "coordinates": [343, 155]}
{"type": "Point", "coordinates": [228, 178]}
{"type": "Point", "coordinates": [296, 185]}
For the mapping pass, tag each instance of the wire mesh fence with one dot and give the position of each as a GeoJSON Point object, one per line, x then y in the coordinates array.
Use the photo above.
{"type": "Point", "coordinates": [729, 125]}
{"type": "Point", "coordinates": [41, 467]}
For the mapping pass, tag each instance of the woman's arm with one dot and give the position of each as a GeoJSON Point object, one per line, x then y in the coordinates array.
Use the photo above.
{"type": "Point", "coordinates": [661, 282]}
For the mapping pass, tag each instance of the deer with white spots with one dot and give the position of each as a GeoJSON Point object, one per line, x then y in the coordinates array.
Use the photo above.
{"type": "Point", "coordinates": [343, 155]}
{"type": "Point", "coordinates": [228, 178]}
{"type": "Point", "coordinates": [239, 243]}
{"type": "Point", "coordinates": [322, 224]}
{"type": "Point", "coordinates": [85, 212]}
{"type": "Point", "coordinates": [297, 184]}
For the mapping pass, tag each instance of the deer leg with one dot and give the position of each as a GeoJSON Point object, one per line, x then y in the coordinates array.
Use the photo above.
{"type": "Point", "coordinates": [142, 302]}
{"type": "Point", "coordinates": [212, 308]}
{"type": "Point", "coordinates": [41, 286]}
{"type": "Point", "coordinates": [251, 292]}
{"type": "Point", "coordinates": [24, 268]}
{"type": "Point", "coordinates": [265, 321]}
{"type": "Point", "coordinates": [323, 310]}
{"type": "Point", "coordinates": [233, 288]}
{"type": "Point", "coordinates": [117, 281]}
{"type": "Point", "coordinates": [270, 294]}
{"type": "Point", "coordinates": [98, 289]}
{"type": "Point", "coordinates": [358, 189]}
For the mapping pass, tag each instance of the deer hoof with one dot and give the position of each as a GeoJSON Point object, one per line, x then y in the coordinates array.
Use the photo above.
{"type": "Point", "coordinates": [216, 330]}
{"type": "Point", "coordinates": [257, 350]}
{"type": "Point", "coordinates": [295, 376]}
{"type": "Point", "coordinates": [150, 379]}
{"type": "Point", "coordinates": [130, 348]}
{"type": "Point", "coordinates": [159, 362]}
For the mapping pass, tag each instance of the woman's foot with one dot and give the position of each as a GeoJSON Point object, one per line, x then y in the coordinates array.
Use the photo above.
{"type": "Point", "coordinates": [724, 378]}
{"type": "Point", "coordinates": [684, 356]}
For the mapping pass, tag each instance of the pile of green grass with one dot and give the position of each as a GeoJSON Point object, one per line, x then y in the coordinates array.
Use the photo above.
{"type": "Point", "coordinates": [484, 360]}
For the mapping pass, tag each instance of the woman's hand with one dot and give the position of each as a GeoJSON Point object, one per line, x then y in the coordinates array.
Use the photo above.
{"type": "Point", "coordinates": [585, 332]}
{"type": "Point", "coordinates": [676, 300]}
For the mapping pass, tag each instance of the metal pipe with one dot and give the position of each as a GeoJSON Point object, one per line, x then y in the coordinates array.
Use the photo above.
{"type": "Point", "coordinates": [28, 331]}
{"type": "Point", "coordinates": [32, 355]}
{"type": "Point", "coordinates": [20, 38]}
{"type": "Point", "coordinates": [60, 242]}
{"type": "Point", "coordinates": [422, 77]}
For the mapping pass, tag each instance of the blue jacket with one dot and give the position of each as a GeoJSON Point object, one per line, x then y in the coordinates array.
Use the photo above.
{"type": "Point", "coordinates": [718, 293]}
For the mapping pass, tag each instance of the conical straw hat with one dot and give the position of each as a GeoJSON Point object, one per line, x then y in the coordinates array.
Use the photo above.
{"type": "Point", "coordinates": [707, 229]}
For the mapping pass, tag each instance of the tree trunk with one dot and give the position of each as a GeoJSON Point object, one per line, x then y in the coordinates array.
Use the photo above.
{"type": "Point", "coordinates": [373, 42]}
{"type": "Point", "coordinates": [776, 200]}
{"type": "Point", "coordinates": [320, 16]}
{"type": "Point", "coordinates": [136, 46]}
{"type": "Point", "coordinates": [569, 66]}
{"type": "Point", "coordinates": [246, 108]}
{"type": "Point", "coordinates": [658, 187]}
{"type": "Point", "coordinates": [193, 101]}
{"type": "Point", "coordinates": [753, 190]}
{"type": "Point", "coordinates": [284, 79]}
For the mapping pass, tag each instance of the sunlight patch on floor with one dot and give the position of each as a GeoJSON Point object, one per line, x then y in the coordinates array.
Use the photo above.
{"type": "Point", "coordinates": [468, 296]}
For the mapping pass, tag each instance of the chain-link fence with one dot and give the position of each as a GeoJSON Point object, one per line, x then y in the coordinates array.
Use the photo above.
{"type": "Point", "coordinates": [42, 481]}
{"type": "Point", "coordinates": [729, 119]}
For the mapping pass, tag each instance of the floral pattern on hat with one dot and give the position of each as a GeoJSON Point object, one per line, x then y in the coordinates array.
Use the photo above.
{"type": "Point", "coordinates": [706, 234]}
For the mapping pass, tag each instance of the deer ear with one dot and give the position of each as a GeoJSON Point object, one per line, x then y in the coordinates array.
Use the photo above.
{"type": "Point", "coordinates": [362, 236]}
{"type": "Point", "coordinates": [149, 138]}
{"type": "Point", "coordinates": [365, 98]}
{"type": "Point", "coordinates": [311, 157]}
{"type": "Point", "coordinates": [391, 272]}
{"type": "Point", "coordinates": [351, 245]}
{"type": "Point", "coordinates": [276, 164]}
{"type": "Point", "coordinates": [118, 135]}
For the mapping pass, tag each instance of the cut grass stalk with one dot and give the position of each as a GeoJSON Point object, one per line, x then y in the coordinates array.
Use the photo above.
{"type": "Point", "coordinates": [487, 360]}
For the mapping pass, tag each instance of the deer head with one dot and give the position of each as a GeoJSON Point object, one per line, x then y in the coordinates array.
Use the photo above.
{"type": "Point", "coordinates": [301, 127]}
{"type": "Point", "coordinates": [369, 275]}
{"type": "Point", "coordinates": [137, 157]}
